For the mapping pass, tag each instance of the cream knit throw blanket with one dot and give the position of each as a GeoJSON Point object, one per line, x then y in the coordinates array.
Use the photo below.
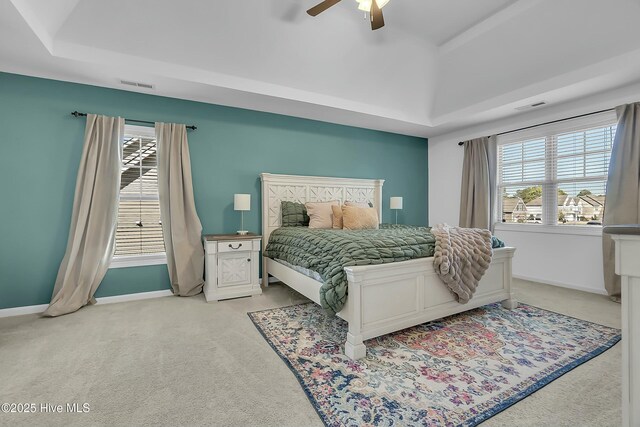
{"type": "Point", "coordinates": [461, 258]}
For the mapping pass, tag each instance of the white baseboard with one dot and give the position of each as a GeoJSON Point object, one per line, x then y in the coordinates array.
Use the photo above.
{"type": "Point", "coordinates": [19, 311]}
{"type": "Point", "coordinates": [33, 309]}
{"type": "Point", "coordinates": [134, 297]}
{"type": "Point", "coordinates": [561, 284]}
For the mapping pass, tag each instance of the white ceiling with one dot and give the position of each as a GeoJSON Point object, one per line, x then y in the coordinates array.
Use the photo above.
{"type": "Point", "coordinates": [437, 66]}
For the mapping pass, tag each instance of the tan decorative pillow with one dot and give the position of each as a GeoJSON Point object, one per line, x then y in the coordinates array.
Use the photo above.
{"type": "Point", "coordinates": [320, 214]}
{"type": "Point", "coordinates": [358, 204]}
{"type": "Point", "coordinates": [337, 216]}
{"type": "Point", "coordinates": [355, 218]}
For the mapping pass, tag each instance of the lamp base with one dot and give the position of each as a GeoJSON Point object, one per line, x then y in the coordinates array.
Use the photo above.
{"type": "Point", "coordinates": [242, 232]}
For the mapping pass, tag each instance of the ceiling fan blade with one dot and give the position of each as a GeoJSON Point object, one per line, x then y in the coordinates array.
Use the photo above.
{"type": "Point", "coordinates": [321, 7]}
{"type": "Point", "coordinates": [377, 20]}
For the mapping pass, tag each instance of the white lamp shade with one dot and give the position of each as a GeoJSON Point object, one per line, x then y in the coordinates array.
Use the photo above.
{"type": "Point", "coordinates": [242, 202]}
{"type": "Point", "coordinates": [396, 203]}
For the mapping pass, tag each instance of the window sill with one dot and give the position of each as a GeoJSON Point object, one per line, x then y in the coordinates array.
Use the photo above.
{"type": "Point", "coordinates": [574, 230]}
{"type": "Point", "coordinates": [138, 260]}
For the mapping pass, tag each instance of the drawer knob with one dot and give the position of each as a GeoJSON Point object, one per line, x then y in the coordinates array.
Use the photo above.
{"type": "Point", "coordinates": [248, 259]}
{"type": "Point", "coordinates": [239, 246]}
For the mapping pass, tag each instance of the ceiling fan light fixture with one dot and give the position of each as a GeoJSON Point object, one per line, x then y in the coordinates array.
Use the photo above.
{"type": "Point", "coordinates": [365, 5]}
{"type": "Point", "coordinates": [374, 9]}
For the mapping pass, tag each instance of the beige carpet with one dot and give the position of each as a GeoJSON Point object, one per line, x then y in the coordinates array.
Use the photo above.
{"type": "Point", "coordinates": [173, 361]}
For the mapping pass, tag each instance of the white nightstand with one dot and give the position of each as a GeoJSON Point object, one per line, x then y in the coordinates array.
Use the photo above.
{"type": "Point", "coordinates": [231, 266]}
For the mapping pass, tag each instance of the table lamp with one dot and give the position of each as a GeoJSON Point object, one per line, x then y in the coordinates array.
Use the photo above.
{"type": "Point", "coordinates": [242, 202]}
{"type": "Point", "coordinates": [396, 204]}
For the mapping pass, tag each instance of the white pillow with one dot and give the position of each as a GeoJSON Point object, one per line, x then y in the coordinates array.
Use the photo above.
{"type": "Point", "coordinates": [320, 213]}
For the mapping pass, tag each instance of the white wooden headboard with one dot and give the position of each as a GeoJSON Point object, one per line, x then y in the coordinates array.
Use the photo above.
{"type": "Point", "coordinates": [302, 189]}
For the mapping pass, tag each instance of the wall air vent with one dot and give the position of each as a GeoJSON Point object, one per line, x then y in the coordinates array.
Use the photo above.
{"type": "Point", "coordinates": [137, 84]}
{"type": "Point", "coordinates": [530, 106]}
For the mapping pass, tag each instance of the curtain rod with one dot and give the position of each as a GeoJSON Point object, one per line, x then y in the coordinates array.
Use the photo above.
{"type": "Point", "coordinates": [78, 114]}
{"type": "Point", "coordinates": [549, 123]}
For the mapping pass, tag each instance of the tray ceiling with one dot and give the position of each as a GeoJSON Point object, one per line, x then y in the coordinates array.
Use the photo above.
{"type": "Point", "coordinates": [438, 65]}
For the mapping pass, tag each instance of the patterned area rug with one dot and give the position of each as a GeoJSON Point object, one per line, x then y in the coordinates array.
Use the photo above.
{"type": "Point", "coordinates": [460, 370]}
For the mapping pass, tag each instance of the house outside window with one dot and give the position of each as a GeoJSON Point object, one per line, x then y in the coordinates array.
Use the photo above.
{"type": "Point", "coordinates": [139, 239]}
{"type": "Point", "coordinates": [555, 175]}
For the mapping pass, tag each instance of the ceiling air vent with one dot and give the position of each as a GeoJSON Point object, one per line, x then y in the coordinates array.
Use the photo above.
{"type": "Point", "coordinates": [136, 84]}
{"type": "Point", "coordinates": [530, 106]}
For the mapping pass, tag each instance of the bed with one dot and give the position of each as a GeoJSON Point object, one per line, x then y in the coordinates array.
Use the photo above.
{"type": "Point", "coordinates": [382, 298]}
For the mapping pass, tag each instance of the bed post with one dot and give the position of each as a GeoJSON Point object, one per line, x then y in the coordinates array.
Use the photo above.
{"type": "Point", "coordinates": [511, 303]}
{"type": "Point", "coordinates": [265, 227]}
{"type": "Point", "coordinates": [265, 272]}
{"type": "Point", "coordinates": [377, 196]}
{"type": "Point", "coordinates": [354, 347]}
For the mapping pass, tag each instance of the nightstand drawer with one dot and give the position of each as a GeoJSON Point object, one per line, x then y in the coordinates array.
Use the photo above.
{"type": "Point", "coordinates": [231, 246]}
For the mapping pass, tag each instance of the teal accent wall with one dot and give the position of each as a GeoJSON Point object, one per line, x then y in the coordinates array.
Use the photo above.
{"type": "Point", "coordinates": [41, 144]}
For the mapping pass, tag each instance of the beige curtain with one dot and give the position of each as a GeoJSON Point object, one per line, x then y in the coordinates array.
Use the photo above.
{"type": "Point", "coordinates": [181, 226]}
{"type": "Point", "coordinates": [478, 194]}
{"type": "Point", "coordinates": [623, 187]}
{"type": "Point", "coordinates": [94, 219]}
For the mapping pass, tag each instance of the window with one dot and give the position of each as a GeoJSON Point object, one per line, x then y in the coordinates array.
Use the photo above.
{"type": "Point", "coordinates": [556, 174]}
{"type": "Point", "coordinates": [139, 238]}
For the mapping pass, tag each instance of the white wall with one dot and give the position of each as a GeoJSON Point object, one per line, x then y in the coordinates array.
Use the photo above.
{"type": "Point", "coordinates": [568, 260]}
{"type": "Point", "coordinates": [445, 178]}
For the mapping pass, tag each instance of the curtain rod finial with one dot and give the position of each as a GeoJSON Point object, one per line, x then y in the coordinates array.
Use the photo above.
{"type": "Point", "coordinates": [461, 143]}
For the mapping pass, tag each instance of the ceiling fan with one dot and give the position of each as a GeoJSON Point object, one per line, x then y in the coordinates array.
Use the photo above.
{"type": "Point", "coordinates": [374, 7]}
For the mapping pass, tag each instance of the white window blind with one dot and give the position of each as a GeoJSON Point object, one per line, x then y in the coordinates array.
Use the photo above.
{"type": "Point", "coordinates": [556, 174]}
{"type": "Point", "coordinates": [523, 162]}
{"type": "Point", "coordinates": [139, 232]}
{"type": "Point", "coordinates": [583, 157]}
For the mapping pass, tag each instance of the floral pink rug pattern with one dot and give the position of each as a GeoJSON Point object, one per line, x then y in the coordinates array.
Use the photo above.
{"type": "Point", "coordinates": [460, 370]}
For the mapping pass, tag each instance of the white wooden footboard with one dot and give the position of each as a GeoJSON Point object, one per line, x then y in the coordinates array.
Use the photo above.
{"type": "Point", "coordinates": [389, 297]}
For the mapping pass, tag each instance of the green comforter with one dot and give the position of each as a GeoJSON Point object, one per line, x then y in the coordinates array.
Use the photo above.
{"type": "Point", "coordinates": [328, 252]}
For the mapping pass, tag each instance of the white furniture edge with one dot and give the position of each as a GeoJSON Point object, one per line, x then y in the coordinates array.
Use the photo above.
{"type": "Point", "coordinates": [33, 309]}
{"type": "Point", "coordinates": [381, 298]}
{"type": "Point", "coordinates": [627, 253]}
